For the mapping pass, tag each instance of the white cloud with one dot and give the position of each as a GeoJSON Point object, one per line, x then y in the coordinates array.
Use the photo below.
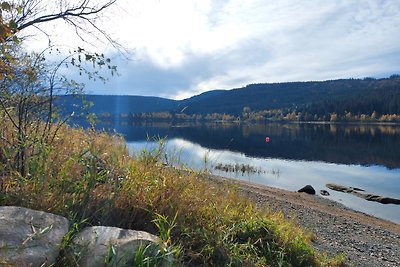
{"type": "Point", "coordinates": [185, 47]}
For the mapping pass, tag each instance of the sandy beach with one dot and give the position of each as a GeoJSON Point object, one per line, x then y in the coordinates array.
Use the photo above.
{"type": "Point", "coordinates": [366, 240]}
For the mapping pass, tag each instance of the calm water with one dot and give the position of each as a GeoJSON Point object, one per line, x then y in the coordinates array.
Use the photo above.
{"type": "Point", "coordinates": [364, 156]}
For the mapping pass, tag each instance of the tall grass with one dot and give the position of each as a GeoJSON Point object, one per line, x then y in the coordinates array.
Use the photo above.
{"type": "Point", "coordinates": [90, 177]}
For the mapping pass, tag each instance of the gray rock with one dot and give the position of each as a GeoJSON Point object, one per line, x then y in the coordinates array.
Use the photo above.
{"type": "Point", "coordinates": [382, 199]}
{"type": "Point", "coordinates": [324, 192]}
{"type": "Point", "coordinates": [339, 188]}
{"type": "Point", "coordinates": [100, 244]}
{"type": "Point", "coordinates": [29, 237]}
{"type": "Point", "coordinates": [307, 189]}
{"type": "Point", "coordinates": [369, 197]}
{"type": "Point", "coordinates": [357, 189]}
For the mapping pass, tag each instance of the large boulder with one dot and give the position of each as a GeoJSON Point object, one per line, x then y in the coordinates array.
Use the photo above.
{"type": "Point", "coordinates": [29, 237]}
{"type": "Point", "coordinates": [307, 189]}
{"type": "Point", "coordinates": [100, 244]}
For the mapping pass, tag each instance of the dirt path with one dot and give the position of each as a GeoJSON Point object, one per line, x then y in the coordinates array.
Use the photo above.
{"type": "Point", "coordinates": [366, 240]}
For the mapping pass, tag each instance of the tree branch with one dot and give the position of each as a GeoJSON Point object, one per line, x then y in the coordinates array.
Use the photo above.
{"type": "Point", "coordinates": [82, 11]}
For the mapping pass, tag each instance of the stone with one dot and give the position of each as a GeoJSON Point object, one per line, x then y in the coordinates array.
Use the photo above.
{"type": "Point", "coordinates": [99, 244]}
{"type": "Point", "coordinates": [369, 197]}
{"type": "Point", "coordinates": [307, 189]}
{"type": "Point", "coordinates": [29, 237]}
{"type": "Point", "coordinates": [357, 189]}
{"type": "Point", "coordinates": [324, 193]}
{"type": "Point", "coordinates": [382, 199]}
{"type": "Point", "coordinates": [339, 188]}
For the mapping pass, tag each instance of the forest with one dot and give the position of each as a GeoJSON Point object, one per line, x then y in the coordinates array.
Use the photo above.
{"type": "Point", "coordinates": [368, 100]}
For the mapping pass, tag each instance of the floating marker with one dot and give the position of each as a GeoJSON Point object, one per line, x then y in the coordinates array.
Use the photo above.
{"type": "Point", "coordinates": [267, 139]}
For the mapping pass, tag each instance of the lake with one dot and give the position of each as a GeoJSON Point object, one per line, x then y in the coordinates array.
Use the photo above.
{"type": "Point", "coordinates": [286, 155]}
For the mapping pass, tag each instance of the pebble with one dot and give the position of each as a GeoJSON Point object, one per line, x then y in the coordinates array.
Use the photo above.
{"type": "Point", "coordinates": [364, 245]}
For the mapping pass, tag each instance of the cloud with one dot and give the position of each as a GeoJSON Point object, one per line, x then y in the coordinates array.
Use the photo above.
{"type": "Point", "coordinates": [144, 77]}
{"type": "Point", "coordinates": [188, 47]}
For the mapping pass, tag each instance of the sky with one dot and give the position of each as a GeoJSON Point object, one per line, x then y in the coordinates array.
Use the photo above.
{"type": "Point", "coordinates": [180, 48]}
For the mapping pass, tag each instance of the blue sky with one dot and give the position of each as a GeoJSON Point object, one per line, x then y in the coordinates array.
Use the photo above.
{"type": "Point", "coordinates": [182, 48]}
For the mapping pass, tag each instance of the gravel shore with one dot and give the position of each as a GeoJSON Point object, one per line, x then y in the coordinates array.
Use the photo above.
{"type": "Point", "coordinates": [366, 240]}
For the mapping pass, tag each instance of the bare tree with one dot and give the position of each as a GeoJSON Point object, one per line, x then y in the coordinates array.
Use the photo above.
{"type": "Point", "coordinates": [27, 83]}
{"type": "Point", "coordinates": [82, 15]}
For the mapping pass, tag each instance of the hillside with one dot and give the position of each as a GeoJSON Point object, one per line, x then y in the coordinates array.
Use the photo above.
{"type": "Point", "coordinates": [351, 95]}
{"type": "Point", "coordinates": [117, 104]}
{"type": "Point", "coordinates": [317, 99]}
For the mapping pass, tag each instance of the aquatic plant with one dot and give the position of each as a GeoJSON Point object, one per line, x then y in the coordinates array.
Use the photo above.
{"type": "Point", "coordinates": [239, 168]}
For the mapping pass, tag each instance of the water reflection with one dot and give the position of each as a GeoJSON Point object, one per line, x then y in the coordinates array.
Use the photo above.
{"type": "Point", "coordinates": [344, 144]}
{"type": "Point", "coordinates": [292, 175]}
{"type": "Point", "coordinates": [364, 156]}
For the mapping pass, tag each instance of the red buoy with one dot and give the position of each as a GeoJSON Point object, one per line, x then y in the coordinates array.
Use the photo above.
{"type": "Point", "coordinates": [267, 139]}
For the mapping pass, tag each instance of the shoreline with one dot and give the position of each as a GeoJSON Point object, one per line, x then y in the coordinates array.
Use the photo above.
{"type": "Point", "coordinates": [313, 201]}
{"type": "Point", "coordinates": [365, 239]}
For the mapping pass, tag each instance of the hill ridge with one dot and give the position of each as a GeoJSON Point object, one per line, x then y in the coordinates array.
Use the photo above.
{"type": "Point", "coordinates": [339, 96]}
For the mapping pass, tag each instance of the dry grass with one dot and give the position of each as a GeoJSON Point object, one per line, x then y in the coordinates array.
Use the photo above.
{"type": "Point", "coordinates": [90, 177]}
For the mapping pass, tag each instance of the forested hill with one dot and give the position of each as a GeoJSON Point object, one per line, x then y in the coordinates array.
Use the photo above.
{"type": "Point", "coordinates": [116, 104]}
{"type": "Point", "coordinates": [335, 96]}
{"type": "Point", "coordinates": [301, 100]}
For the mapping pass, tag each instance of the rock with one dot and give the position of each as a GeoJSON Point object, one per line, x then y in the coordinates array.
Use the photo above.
{"type": "Point", "coordinates": [369, 197]}
{"type": "Point", "coordinates": [381, 199]}
{"type": "Point", "coordinates": [307, 189]}
{"type": "Point", "coordinates": [324, 193]}
{"type": "Point", "coordinates": [340, 188]}
{"type": "Point", "coordinates": [29, 237]}
{"type": "Point", "coordinates": [100, 244]}
{"type": "Point", "coordinates": [357, 189]}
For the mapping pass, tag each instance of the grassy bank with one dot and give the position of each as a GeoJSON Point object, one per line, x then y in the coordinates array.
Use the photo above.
{"type": "Point", "coordinates": [90, 178]}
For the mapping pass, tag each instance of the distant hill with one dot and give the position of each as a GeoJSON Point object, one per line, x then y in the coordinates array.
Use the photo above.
{"type": "Point", "coordinates": [352, 95]}
{"type": "Point", "coordinates": [362, 96]}
{"type": "Point", "coordinates": [117, 104]}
